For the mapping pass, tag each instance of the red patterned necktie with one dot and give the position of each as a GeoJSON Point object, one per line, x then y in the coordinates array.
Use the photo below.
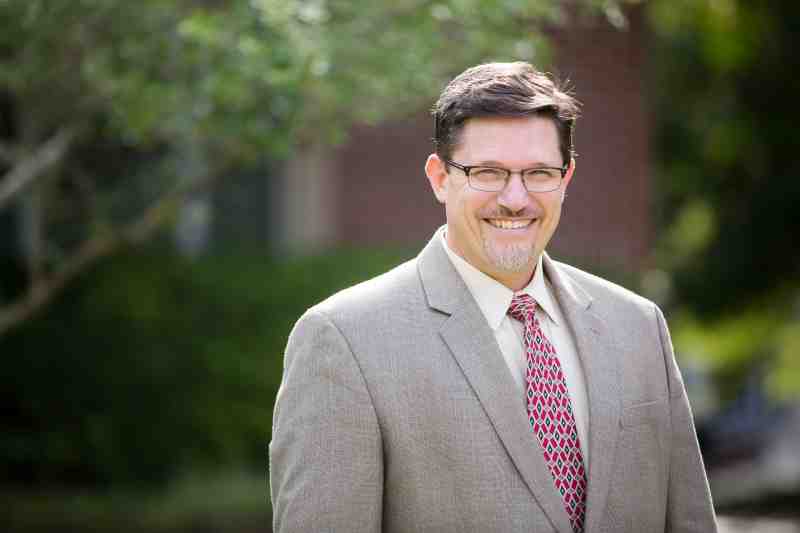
{"type": "Point", "coordinates": [550, 413]}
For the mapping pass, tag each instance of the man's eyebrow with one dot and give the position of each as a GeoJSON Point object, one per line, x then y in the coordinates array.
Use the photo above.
{"type": "Point", "coordinates": [493, 163]}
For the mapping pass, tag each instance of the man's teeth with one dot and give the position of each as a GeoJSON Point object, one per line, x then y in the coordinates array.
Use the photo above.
{"type": "Point", "coordinates": [509, 224]}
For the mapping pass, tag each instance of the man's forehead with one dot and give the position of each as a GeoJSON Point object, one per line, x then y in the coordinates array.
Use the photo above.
{"type": "Point", "coordinates": [498, 138]}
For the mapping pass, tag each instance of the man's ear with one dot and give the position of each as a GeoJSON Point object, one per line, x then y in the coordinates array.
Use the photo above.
{"type": "Point", "coordinates": [567, 178]}
{"type": "Point", "coordinates": [437, 177]}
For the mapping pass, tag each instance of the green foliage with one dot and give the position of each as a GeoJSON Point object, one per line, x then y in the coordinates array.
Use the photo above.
{"type": "Point", "coordinates": [725, 139]}
{"type": "Point", "coordinates": [159, 70]}
{"type": "Point", "coordinates": [243, 79]}
{"type": "Point", "coordinates": [763, 336]}
{"type": "Point", "coordinates": [784, 378]}
{"type": "Point", "coordinates": [690, 233]}
{"type": "Point", "coordinates": [153, 366]}
{"type": "Point", "coordinates": [367, 59]}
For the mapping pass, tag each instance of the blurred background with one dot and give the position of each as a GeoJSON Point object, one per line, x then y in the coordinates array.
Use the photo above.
{"type": "Point", "coordinates": [181, 179]}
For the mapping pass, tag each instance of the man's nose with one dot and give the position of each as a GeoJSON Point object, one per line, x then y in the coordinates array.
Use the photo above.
{"type": "Point", "coordinates": [515, 196]}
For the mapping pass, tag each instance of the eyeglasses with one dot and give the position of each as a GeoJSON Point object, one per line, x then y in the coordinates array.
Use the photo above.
{"type": "Point", "coordinates": [493, 179]}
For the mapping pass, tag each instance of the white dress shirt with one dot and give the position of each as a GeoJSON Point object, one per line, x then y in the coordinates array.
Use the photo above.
{"type": "Point", "coordinates": [494, 299]}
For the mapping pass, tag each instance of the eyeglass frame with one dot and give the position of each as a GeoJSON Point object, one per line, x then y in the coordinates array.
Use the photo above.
{"type": "Point", "coordinates": [467, 168]}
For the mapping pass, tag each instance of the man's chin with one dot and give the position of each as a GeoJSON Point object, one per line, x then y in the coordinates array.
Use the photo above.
{"type": "Point", "coordinates": [512, 261]}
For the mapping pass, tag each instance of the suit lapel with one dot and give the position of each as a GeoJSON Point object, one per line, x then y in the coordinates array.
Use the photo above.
{"type": "Point", "coordinates": [600, 365]}
{"type": "Point", "coordinates": [472, 343]}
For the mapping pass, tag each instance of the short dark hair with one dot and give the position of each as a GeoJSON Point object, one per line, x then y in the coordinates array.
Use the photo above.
{"type": "Point", "coordinates": [507, 90]}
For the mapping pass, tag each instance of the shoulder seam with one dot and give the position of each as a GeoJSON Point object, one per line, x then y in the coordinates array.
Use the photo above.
{"type": "Point", "coordinates": [659, 316]}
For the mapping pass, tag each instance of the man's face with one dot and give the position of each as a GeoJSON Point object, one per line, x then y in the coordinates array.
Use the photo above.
{"type": "Point", "coordinates": [501, 233]}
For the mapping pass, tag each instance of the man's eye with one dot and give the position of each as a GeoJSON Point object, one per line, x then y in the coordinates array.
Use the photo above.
{"type": "Point", "coordinates": [488, 173]}
{"type": "Point", "coordinates": [540, 174]}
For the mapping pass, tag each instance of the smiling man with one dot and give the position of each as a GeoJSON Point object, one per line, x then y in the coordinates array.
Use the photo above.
{"type": "Point", "coordinates": [483, 386]}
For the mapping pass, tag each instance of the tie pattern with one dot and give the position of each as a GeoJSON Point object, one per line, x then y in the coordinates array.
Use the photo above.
{"type": "Point", "coordinates": [550, 413]}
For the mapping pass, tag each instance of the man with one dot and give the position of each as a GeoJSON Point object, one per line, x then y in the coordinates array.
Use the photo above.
{"type": "Point", "coordinates": [483, 386]}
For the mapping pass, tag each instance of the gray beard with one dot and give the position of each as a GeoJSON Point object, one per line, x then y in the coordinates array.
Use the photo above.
{"type": "Point", "coordinates": [515, 258]}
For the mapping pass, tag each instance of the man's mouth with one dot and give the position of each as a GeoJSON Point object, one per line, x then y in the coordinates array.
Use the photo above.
{"type": "Point", "coordinates": [504, 223]}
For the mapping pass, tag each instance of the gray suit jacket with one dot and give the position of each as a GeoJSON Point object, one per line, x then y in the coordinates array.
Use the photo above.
{"type": "Point", "coordinates": [397, 413]}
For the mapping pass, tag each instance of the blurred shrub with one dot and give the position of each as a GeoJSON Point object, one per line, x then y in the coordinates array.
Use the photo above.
{"type": "Point", "coordinates": [762, 337]}
{"type": "Point", "coordinates": [153, 366]}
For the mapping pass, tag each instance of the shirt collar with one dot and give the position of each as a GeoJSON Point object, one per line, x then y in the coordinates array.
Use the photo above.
{"type": "Point", "coordinates": [493, 297]}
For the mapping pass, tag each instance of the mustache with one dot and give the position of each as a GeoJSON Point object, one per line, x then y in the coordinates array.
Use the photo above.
{"type": "Point", "coordinates": [504, 212]}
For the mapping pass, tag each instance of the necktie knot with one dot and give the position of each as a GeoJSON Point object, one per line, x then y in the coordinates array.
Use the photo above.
{"type": "Point", "coordinates": [522, 307]}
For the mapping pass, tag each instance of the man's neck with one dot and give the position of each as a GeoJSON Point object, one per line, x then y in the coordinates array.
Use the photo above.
{"type": "Point", "coordinates": [515, 281]}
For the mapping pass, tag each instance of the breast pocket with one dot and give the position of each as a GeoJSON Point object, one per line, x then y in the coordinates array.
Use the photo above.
{"type": "Point", "coordinates": [644, 413]}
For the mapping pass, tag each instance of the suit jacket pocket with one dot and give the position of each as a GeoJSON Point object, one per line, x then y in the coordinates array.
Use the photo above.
{"type": "Point", "coordinates": [644, 413]}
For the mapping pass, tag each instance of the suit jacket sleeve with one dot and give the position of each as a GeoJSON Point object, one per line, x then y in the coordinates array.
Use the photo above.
{"type": "Point", "coordinates": [689, 507]}
{"type": "Point", "coordinates": [326, 466]}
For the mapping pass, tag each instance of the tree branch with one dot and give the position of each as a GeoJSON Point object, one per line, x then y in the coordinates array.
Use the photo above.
{"type": "Point", "coordinates": [45, 290]}
{"type": "Point", "coordinates": [29, 169]}
{"type": "Point", "coordinates": [8, 154]}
